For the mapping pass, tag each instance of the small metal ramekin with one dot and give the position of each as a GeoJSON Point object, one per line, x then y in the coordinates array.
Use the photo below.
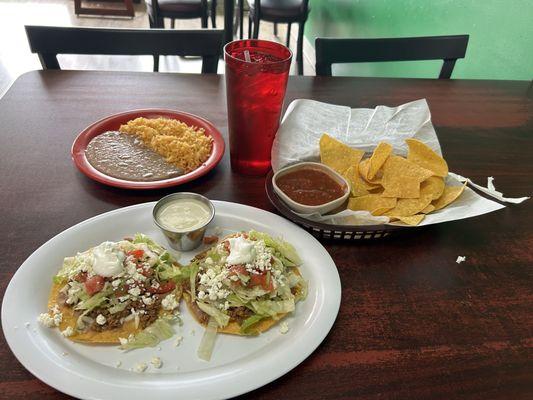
{"type": "Point", "coordinates": [183, 240]}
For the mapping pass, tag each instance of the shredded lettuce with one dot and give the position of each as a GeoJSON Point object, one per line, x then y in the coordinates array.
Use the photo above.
{"type": "Point", "coordinates": [288, 253]}
{"type": "Point", "coordinates": [249, 322]}
{"type": "Point", "coordinates": [193, 267]}
{"type": "Point", "coordinates": [69, 264]}
{"type": "Point", "coordinates": [93, 301]}
{"type": "Point", "coordinates": [235, 301]}
{"type": "Point", "coordinates": [151, 336]}
{"type": "Point", "coordinates": [221, 318]}
{"type": "Point", "coordinates": [166, 272]}
{"type": "Point", "coordinates": [208, 340]}
{"type": "Point", "coordinates": [272, 308]}
{"type": "Point", "coordinates": [117, 308]}
{"type": "Point", "coordinates": [141, 238]}
{"type": "Point", "coordinates": [57, 279]}
{"type": "Point", "coordinates": [248, 294]}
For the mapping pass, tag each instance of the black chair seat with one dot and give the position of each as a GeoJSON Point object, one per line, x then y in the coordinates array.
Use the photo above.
{"type": "Point", "coordinates": [276, 10]}
{"type": "Point", "coordinates": [192, 7]}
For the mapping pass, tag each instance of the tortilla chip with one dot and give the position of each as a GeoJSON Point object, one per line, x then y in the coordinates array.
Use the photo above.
{"type": "Point", "coordinates": [378, 158]}
{"type": "Point", "coordinates": [428, 209]}
{"type": "Point", "coordinates": [433, 186]}
{"type": "Point", "coordinates": [364, 167]}
{"type": "Point", "coordinates": [357, 185]}
{"type": "Point", "coordinates": [401, 178]}
{"type": "Point", "coordinates": [337, 155]}
{"type": "Point", "coordinates": [419, 153]}
{"type": "Point", "coordinates": [374, 203]}
{"type": "Point", "coordinates": [412, 220]}
{"type": "Point", "coordinates": [450, 194]}
{"type": "Point", "coordinates": [401, 187]}
{"type": "Point", "coordinates": [409, 207]}
{"type": "Point", "coordinates": [398, 166]}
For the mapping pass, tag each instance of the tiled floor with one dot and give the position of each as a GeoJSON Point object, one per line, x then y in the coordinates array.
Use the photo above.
{"type": "Point", "coordinates": [16, 58]}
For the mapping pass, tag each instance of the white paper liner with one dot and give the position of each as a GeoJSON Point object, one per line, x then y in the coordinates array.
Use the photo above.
{"type": "Point", "coordinates": [305, 121]}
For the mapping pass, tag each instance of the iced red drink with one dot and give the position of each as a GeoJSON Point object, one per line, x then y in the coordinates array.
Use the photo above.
{"type": "Point", "coordinates": [256, 79]}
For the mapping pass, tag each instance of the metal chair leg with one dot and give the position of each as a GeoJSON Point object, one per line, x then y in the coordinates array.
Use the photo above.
{"type": "Point", "coordinates": [241, 17]}
{"type": "Point", "coordinates": [156, 63]}
{"type": "Point", "coordinates": [204, 20]}
{"type": "Point", "coordinates": [214, 13]}
{"type": "Point", "coordinates": [256, 26]}
{"type": "Point", "coordinates": [250, 27]}
{"type": "Point", "coordinates": [299, 50]}
{"type": "Point", "coordinates": [172, 23]}
{"type": "Point", "coordinates": [289, 34]}
{"type": "Point", "coordinates": [275, 29]}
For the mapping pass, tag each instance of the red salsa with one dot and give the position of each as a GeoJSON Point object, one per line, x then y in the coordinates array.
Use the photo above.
{"type": "Point", "coordinates": [310, 186]}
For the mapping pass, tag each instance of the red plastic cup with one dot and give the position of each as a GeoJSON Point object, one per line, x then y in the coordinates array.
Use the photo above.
{"type": "Point", "coordinates": [256, 80]}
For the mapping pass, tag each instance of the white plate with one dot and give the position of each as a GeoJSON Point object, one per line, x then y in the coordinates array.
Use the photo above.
{"type": "Point", "coordinates": [238, 365]}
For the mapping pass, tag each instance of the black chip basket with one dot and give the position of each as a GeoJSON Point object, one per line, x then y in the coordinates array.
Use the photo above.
{"type": "Point", "coordinates": [329, 231]}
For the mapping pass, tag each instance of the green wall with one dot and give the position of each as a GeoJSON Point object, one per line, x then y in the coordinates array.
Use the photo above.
{"type": "Point", "coordinates": [501, 33]}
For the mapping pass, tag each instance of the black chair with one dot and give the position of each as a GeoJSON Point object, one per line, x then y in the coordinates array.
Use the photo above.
{"type": "Point", "coordinates": [278, 12]}
{"type": "Point", "coordinates": [336, 51]}
{"type": "Point", "coordinates": [179, 9]}
{"type": "Point", "coordinates": [49, 41]}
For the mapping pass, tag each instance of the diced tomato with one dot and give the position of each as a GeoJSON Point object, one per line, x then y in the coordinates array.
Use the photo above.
{"type": "Point", "coordinates": [81, 277]}
{"type": "Point", "coordinates": [163, 287]}
{"type": "Point", "coordinates": [94, 284]}
{"type": "Point", "coordinates": [261, 280]}
{"type": "Point", "coordinates": [138, 254]}
{"type": "Point", "coordinates": [238, 269]}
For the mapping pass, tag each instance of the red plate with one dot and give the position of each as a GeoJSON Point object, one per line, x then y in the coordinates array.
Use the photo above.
{"type": "Point", "coordinates": [113, 122]}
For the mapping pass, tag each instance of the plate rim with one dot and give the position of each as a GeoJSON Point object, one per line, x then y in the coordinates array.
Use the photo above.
{"type": "Point", "coordinates": [327, 324]}
{"type": "Point", "coordinates": [77, 150]}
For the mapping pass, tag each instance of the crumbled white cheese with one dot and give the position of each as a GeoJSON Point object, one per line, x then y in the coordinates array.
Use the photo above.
{"type": "Point", "coordinates": [147, 300]}
{"type": "Point", "coordinates": [140, 367]}
{"type": "Point", "coordinates": [50, 321]}
{"type": "Point", "coordinates": [460, 259]}
{"type": "Point", "coordinates": [209, 261]}
{"type": "Point", "coordinates": [116, 283]}
{"type": "Point", "coordinates": [100, 319]}
{"type": "Point", "coordinates": [123, 341]}
{"type": "Point", "coordinates": [178, 341]}
{"type": "Point", "coordinates": [283, 328]}
{"type": "Point", "coordinates": [68, 331]}
{"type": "Point", "coordinates": [212, 285]}
{"type": "Point", "coordinates": [169, 302]}
{"type": "Point", "coordinates": [156, 362]}
{"type": "Point", "coordinates": [135, 291]}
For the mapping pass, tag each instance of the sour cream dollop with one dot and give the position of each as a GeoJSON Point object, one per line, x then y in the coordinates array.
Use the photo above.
{"type": "Point", "coordinates": [108, 259]}
{"type": "Point", "coordinates": [241, 251]}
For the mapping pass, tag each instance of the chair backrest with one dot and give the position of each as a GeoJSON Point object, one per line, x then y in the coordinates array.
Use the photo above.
{"type": "Point", "coordinates": [335, 51]}
{"type": "Point", "coordinates": [49, 41]}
